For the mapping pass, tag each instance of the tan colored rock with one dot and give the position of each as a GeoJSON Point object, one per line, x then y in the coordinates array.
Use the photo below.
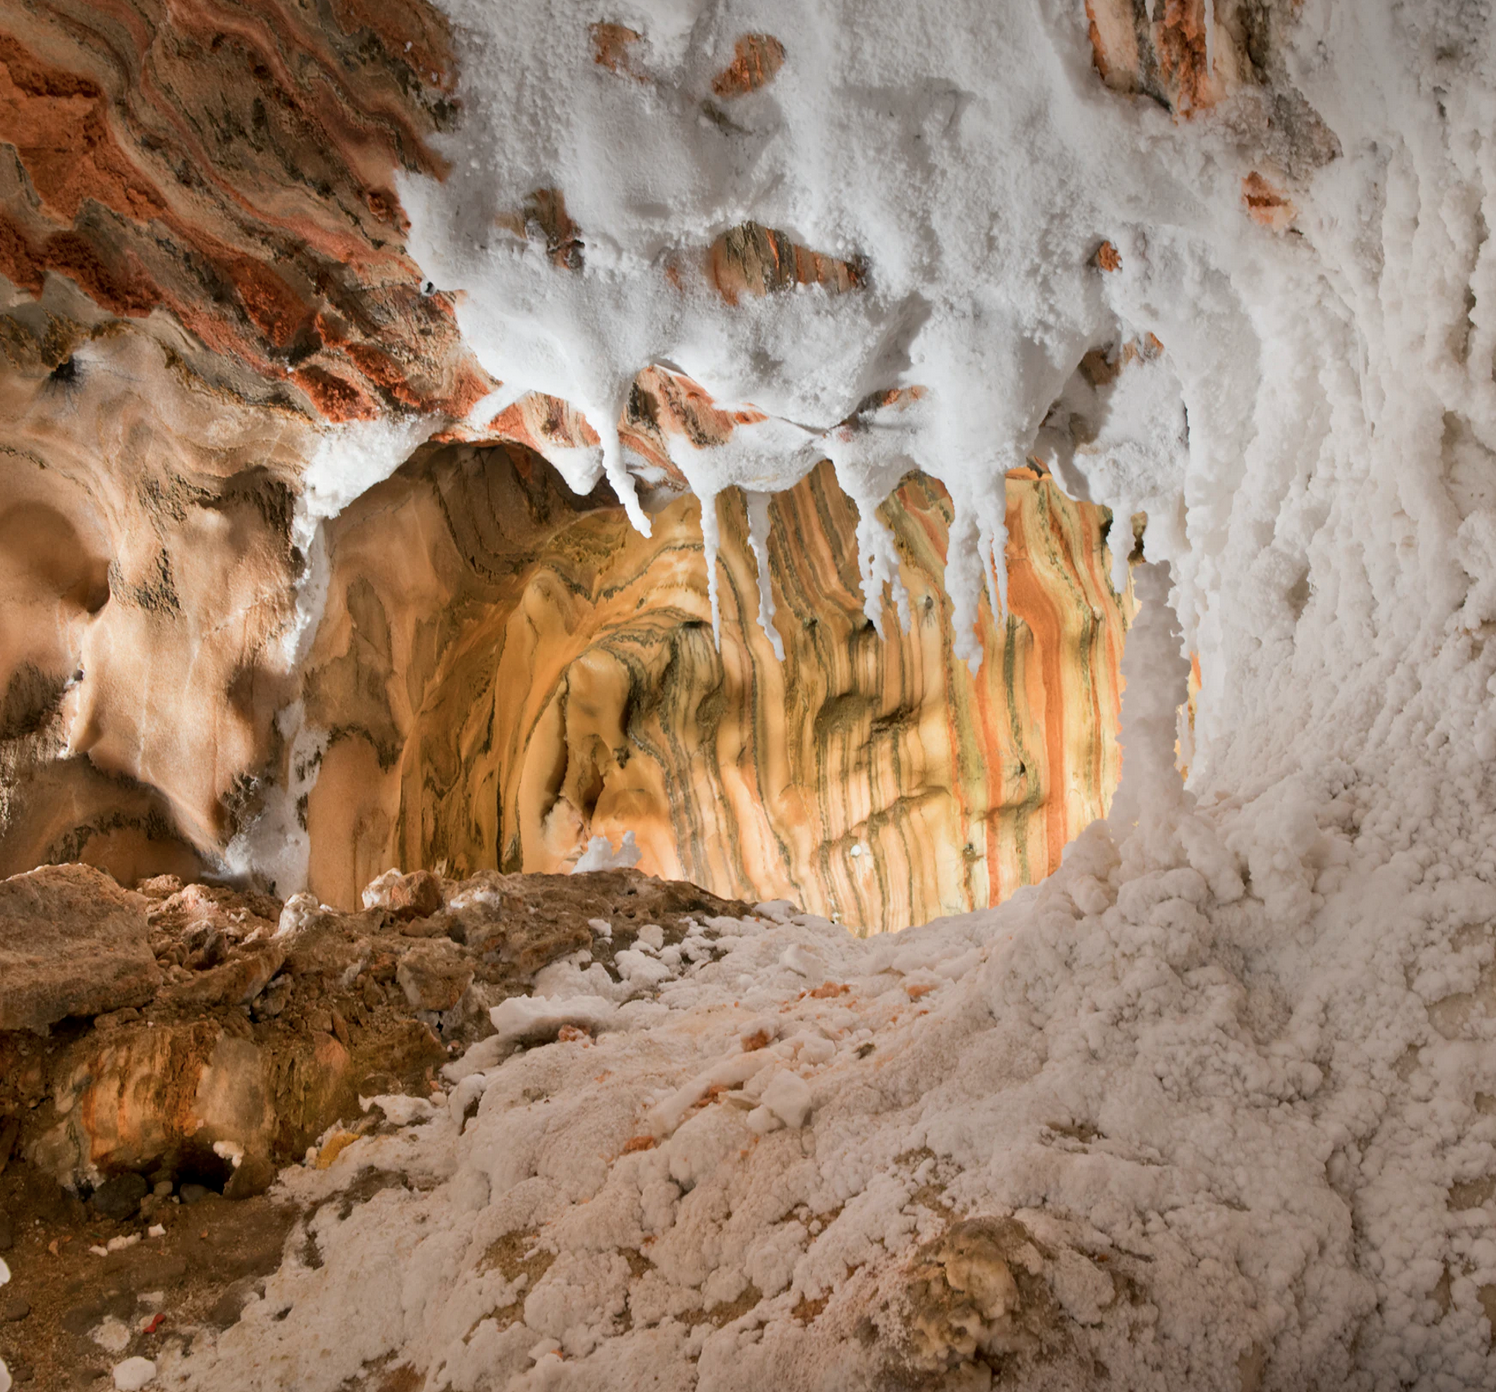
{"type": "Point", "coordinates": [1190, 56]}
{"type": "Point", "coordinates": [580, 693]}
{"type": "Point", "coordinates": [756, 260]}
{"type": "Point", "coordinates": [71, 943]}
{"type": "Point", "coordinates": [434, 974]}
{"type": "Point", "coordinates": [417, 895]}
{"type": "Point", "coordinates": [235, 982]}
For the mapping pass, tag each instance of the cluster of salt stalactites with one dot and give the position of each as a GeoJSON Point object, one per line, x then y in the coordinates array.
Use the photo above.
{"type": "Point", "coordinates": [968, 170]}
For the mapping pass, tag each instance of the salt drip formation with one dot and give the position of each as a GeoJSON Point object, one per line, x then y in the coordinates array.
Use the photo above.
{"type": "Point", "coordinates": [741, 386]}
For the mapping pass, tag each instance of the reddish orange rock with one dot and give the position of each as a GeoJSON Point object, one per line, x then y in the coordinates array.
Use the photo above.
{"type": "Point", "coordinates": [131, 200]}
{"type": "Point", "coordinates": [756, 260]}
{"type": "Point", "coordinates": [756, 59]}
{"type": "Point", "coordinates": [544, 218]}
{"type": "Point", "coordinates": [1265, 204]}
{"type": "Point", "coordinates": [611, 48]}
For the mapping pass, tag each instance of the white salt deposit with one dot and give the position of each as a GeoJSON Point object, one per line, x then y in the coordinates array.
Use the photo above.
{"type": "Point", "coordinates": [1228, 1076]}
{"type": "Point", "coordinates": [600, 855]}
{"type": "Point", "coordinates": [133, 1374]}
{"type": "Point", "coordinates": [5, 1378]}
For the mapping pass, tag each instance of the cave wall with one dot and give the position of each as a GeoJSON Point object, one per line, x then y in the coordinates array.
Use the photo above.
{"type": "Point", "coordinates": [506, 671]}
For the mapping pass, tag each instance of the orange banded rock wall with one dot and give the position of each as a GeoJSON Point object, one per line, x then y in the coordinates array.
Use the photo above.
{"type": "Point", "coordinates": [506, 672]}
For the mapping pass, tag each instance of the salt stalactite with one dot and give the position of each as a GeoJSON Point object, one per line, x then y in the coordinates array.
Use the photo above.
{"type": "Point", "coordinates": [1156, 673]}
{"type": "Point", "coordinates": [758, 538]}
{"type": "Point", "coordinates": [605, 423]}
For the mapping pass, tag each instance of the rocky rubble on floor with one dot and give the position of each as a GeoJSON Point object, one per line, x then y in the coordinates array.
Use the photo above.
{"type": "Point", "coordinates": [168, 1048]}
{"type": "Point", "coordinates": [195, 1029]}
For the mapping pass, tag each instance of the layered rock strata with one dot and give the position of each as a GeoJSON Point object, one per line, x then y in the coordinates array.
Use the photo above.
{"type": "Point", "coordinates": [212, 338]}
{"type": "Point", "coordinates": [506, 673]}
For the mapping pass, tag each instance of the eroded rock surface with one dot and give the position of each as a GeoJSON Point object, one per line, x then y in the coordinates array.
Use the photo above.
{"type": "Point", "coordinates": [507, 674]}
{"type": "Point", "coordinates": [205, 295]}
{"type": "Point", "coordinates": [72, 943]}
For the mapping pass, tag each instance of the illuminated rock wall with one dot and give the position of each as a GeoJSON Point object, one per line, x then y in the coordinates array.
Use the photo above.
{"type": "Point", "coordinates": [507, 672]}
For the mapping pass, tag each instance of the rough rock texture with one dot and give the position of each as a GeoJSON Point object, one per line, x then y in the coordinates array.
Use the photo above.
{"type": "Point", "coordinates": [236, 172]}
{"type": "Point", "coordinates": [228, 1033]}
{"type": "Point", "coordinates": [1191, 55]}
{"type": "Point", "coordinates": [149, 611]}
{"type": "Point", "coordinates": [71, 943]}
{"type": "Point", "coordinates": [508, 673]}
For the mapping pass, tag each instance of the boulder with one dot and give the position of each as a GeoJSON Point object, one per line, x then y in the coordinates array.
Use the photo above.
{"type": "Point", "coordinates": [72, 942]}
{"type": "Point", "coordinates": [119, 1198]}
{"type": "Point", "coordinates": [434, 974]}
{"type": "Point", "coordinates": [417, 895]}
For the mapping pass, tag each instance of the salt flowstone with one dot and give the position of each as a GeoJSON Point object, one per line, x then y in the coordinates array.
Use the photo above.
{"type": "Point", "coordinates": [72, 942]}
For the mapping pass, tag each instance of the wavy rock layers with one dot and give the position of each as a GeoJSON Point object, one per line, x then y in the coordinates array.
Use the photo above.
{"type": "Point", "coordinates": [232, 169]}
{"type": "Point", "coordinates": [201, 265]}
{"type": "Point", "coordinates": [203, 281]}
{"type": "Point", "coordinates": [506, 673]}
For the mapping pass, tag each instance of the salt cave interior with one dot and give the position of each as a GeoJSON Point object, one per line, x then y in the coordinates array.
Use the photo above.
{"type": "Point", "coordinates": [711, 694]}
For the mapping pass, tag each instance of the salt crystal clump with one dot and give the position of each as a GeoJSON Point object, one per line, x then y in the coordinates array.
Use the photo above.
{"type": "Point", "coordinates": [299, 910]}
{"type": "Point", "coordinates": [133, 1374]}
{"type": "Point", "coordinates": [600, 855]}
{"type": "Point", "coordinates": [376, 893]}
{"type": "Point", "coordinates": [532, 1019]}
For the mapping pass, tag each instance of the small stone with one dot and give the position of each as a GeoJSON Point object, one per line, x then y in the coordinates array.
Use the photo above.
{"type": "Point", "coordinates": [192, 1193]}
{"type": "Point", "coordinates": [433, 927]}
{"type": "Point", "coordinates": [417, 895]}
{"type": "Point", "coordinates": [434, 974]}
{"type": "Point", "coordinates": [113, 1335]}
{"type": "Point", "coordinates": [119, 1198]}
{"type": "Point", "coordinates": [340, 1029]}
{"type": "Point", "coordinates": [162, 1189]}
{"type": "Point", "coordinates": [14, 1309]}
{"type": "Point", "coordinates": [133, 1374]}
{"type": "Point", "coordinates": [159, 887]}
